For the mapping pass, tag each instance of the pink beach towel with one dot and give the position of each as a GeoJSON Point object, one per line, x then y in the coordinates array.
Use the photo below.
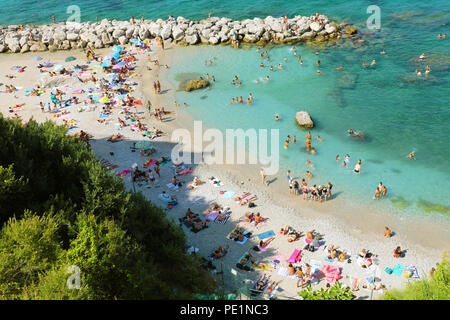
{"type": "Point", "coordinates": [331, 273]}
{"type": "Point", "coordinates": [295, 256]}
{"type": "Point", "coordinates": [123, 173]}
{"type": "Point", "coordinates": [212, 215]}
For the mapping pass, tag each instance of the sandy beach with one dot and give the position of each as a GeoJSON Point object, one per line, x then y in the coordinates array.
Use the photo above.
{"type": "Point", "coordinates": [352, 228]}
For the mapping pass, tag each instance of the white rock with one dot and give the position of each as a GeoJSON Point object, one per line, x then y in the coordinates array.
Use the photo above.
{"type": "Point", "coordinates": [73, 37]}
{"type": "Point", "coordinates": [177, 33]}
{"type": "Point", "coordinates": [315, 26]}
{"type": "Point", "coordinates": [213, 40]}
{"type": "Point", "coordinates": [123, 40]}
{"type": "Point", "coordinates": [166, 31]}
{"type": "Point", "coordinates": [304, 119]}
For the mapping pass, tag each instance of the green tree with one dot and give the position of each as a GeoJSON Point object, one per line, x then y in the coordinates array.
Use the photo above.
{"type": "Point", "coordinates": [28, 247]}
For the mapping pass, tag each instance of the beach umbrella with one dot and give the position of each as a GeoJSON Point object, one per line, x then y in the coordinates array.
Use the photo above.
{"type": "Point", "coordinates": [106, 64]}
{"type": "Point", "coordinates": [117, 67]}
{"type": "Point", "coordinates": [121, 63]}
{"type": "Point", "coordinates": [104, 100]}
{"type": "Point", "coordinates": [68, 59]}
{"type": "Point", "coordinates": [142, 144]}
{"type": "Point", "coordinates": [117, 49]}
{"type": "Point", "coordinates": [37, 58]}
{"type": "Point", "coordinates": [116, 55]}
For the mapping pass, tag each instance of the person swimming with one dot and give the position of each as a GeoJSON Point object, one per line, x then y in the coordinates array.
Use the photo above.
{"type": "Point", "coordinates": [411, 155]}
{"type": "Point", "coordinates": [422, 56]}
{"type": "Point", "coordinates": [277, 116]}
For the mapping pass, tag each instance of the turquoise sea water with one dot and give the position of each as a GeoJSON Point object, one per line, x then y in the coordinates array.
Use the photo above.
{"type": "Point", "coordinates": [398, 111]}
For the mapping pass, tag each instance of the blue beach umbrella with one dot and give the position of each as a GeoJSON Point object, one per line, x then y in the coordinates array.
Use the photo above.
{"type": "Point", "coordinates": [116, 55]}
{"type": "Point", "coordinates": [117, 49]}
{"type": "Point", "coordinates": [106, 64]}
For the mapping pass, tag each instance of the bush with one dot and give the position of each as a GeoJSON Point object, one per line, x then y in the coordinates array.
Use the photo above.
{"type": "Point", "coordinates": [59, 207]}
{"type": "Point", "coordinates": [336, 292]}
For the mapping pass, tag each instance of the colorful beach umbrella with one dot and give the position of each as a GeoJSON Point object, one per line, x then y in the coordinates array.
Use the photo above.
{"type": "Point", "coordinates": [116, 55]}
{"type": "Point", "coordinates": [117, 49]}
{"type": "Point", "coordinates": [117, 67]}
{"type": "Point", "coordinates": [68, 59]}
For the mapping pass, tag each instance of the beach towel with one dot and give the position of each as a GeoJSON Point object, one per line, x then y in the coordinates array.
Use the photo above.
{"type": "Point", "coordinates": [265, 248]}
{"type": "Point", "coordinates": [226, 194]}
{"type": "Point", "coordinates": [212, 215]}
{"type": "Point", "coordinates": [227, 216]}
{"type": "Point", "coordinates": [295, 256]}
{"type": "Point", "coordinates": [266, 235]}
{"type": "Point", "coordinates": [282, 271]}
{"type": "Point", "coordinates": [315, 265]}
{"type": "Point", "coordinates": [331, 273]}
{"type": "Point", "coordinates": [123, 173]}
{"type": "Point", "coordinates": [355, 284]}
{"type": "Point", "coordinates": [172, 186]}
{"type": "Point", "coordinates": [398, 270]}
{"type": "Point", "coordinates": [103, 115]}
{"type": "Point", "coordinates": [278, 259]}
{"type": "Point", "coordinates": [244, 240]}
{"type": "Point", "coordinates": [414, 272]}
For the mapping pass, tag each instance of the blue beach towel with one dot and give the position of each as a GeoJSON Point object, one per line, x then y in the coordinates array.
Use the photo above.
{"type": "Point", "coordinates": [266, 235]}
{"type": "Point", "coordinates": [227, 194]}
{"type": "Point", "coordinates": [398, 269]}
{"type": "Point", "coordinates": [245, 239]}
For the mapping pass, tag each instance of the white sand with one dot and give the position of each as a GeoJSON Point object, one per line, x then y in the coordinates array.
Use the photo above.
{"type": "Point", "coordinates": [347, 232]}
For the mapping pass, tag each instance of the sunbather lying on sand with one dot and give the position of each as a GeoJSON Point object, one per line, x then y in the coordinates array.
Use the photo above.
{"type": "Point", "coordinates": [116, 138]}
{"type": "Point", "coordinates": [333, 252]}
{"type": "Point", "coordinates": [195, 183]}
{"type": "Point", "coordinates": [190, 214]}
{"type": "Point", "coordinates": [242, 197]}
{"type": "Point", "coordinates": [220, 252]}
{"type": "Point", "coordinates": [245, 201]}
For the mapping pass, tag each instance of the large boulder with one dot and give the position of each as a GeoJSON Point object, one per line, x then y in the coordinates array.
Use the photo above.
{"type": "Point", "coordinates": [166, 31]}
{"type": "Point", "coordinates": [196, 84]}
{"type": "Point", "coordinates": [304, 120]}
{"type": "Point", "coordinates": [315, 26]}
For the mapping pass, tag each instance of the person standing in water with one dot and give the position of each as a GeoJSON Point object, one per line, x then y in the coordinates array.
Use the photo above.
{"type": "Point", "coordinates": [357, 168]}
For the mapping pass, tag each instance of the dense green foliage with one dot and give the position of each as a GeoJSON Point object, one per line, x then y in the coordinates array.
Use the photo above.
{"type": "Point", "coordinates": [435, 288]}
{"type": "Point", "coordinates": [336, 292]}
{"type": "Point", "coordinates": [60, 208]}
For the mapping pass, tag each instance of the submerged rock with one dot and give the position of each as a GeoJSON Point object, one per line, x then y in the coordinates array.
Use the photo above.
{"type": "Point", "coordinates": [196, 84]}
{"type": "Point", "coordinates": [304, 120]}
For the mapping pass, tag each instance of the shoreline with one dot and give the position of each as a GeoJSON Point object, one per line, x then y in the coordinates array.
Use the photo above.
{"type": "Point", "coordinates": [308, 218]}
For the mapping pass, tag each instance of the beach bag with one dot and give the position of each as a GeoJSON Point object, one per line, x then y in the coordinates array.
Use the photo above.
{"type": "Point", "coordinates": [388, 270]}
{"type": "Point", "coordinates": [251, 205]}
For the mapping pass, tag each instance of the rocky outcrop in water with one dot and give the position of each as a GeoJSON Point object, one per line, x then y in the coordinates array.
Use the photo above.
{"type": "Point", "coordinates": [304, 120]}
{"type": "Point", "coordinates": [196, 84]}
{"type": "Point", "coordinates": [105, 33]}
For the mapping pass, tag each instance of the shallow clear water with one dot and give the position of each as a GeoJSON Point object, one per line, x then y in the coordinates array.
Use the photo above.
{"type": "Point", "coordinates": [397, 111]}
